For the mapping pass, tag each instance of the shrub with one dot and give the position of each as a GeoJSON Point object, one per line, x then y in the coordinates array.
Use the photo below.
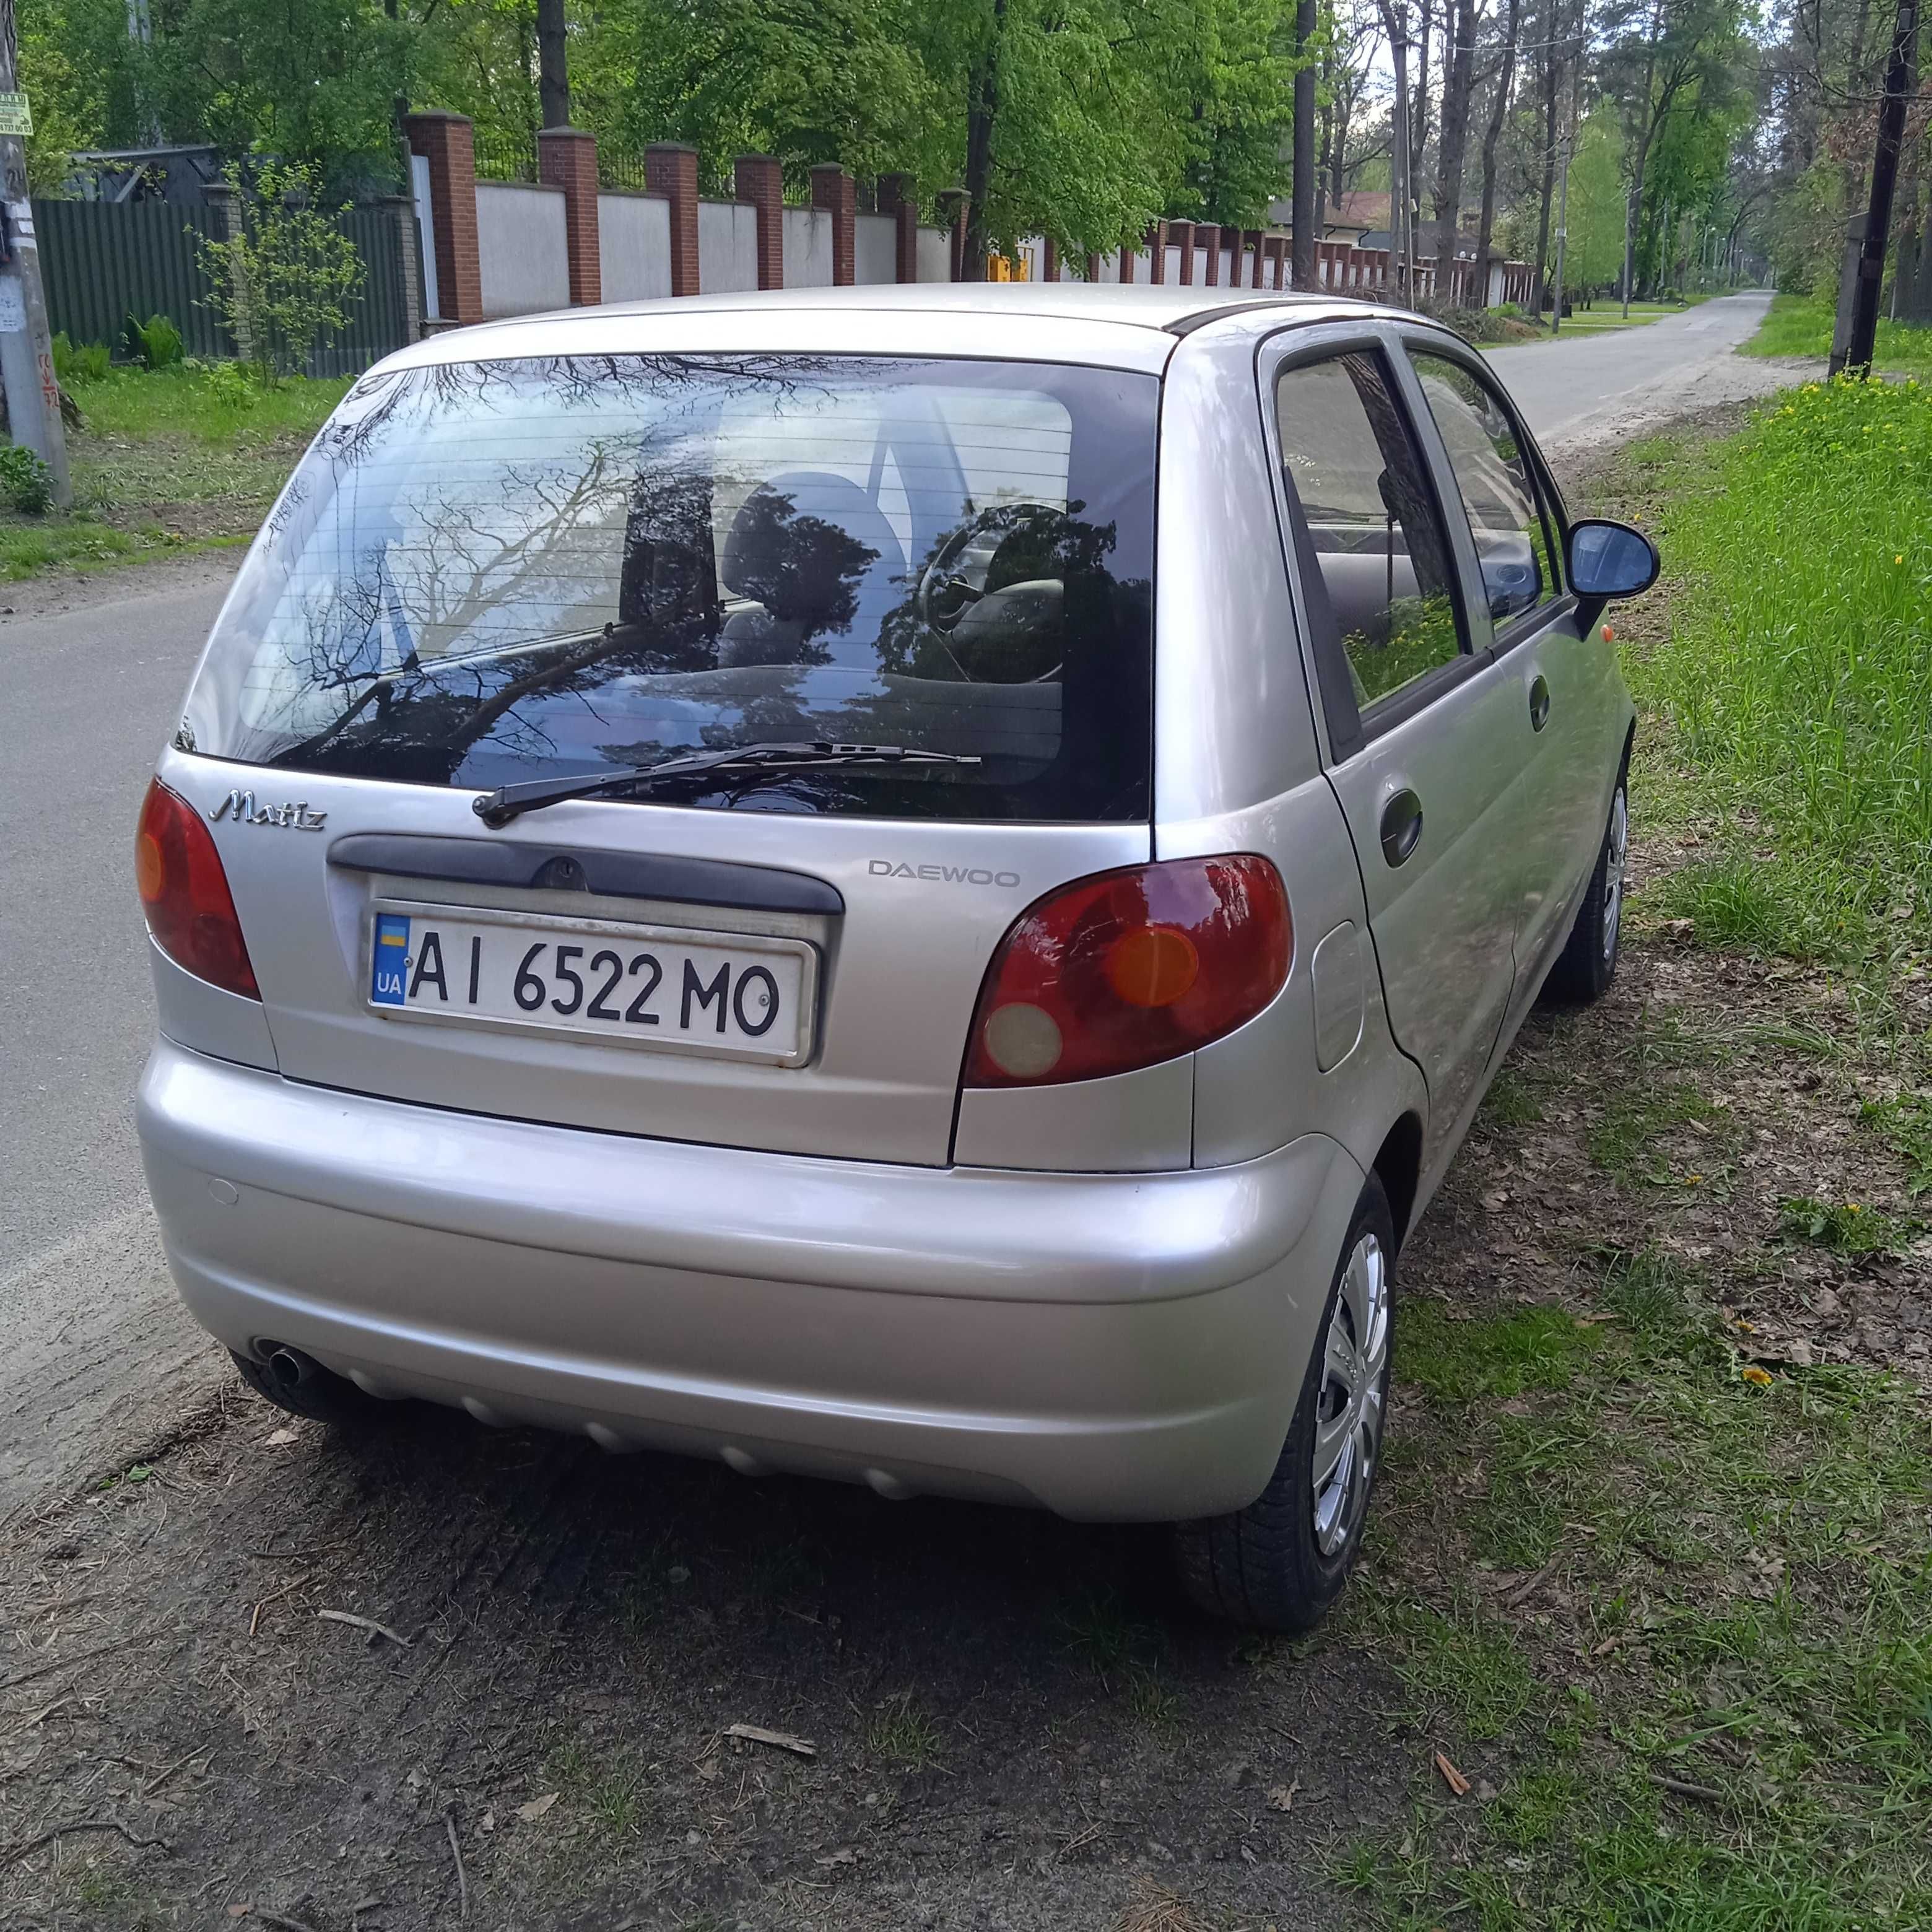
{"type": "Point", "coordinates": [229, 384]}
{"type": "Point", "coordinates": [155, 344]}
{"type": "Point", "coordinates": [283, 284]}
{"type": "Point", "coordinates": [27, 483]}
{"type": "Point", "coordinates": [87, 363]}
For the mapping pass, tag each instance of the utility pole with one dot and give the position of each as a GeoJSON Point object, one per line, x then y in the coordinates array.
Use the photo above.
{"type": "Point", "coordinates": [1900, 75]}
{"type": "Point", "coordinates": [1566, 150]}
{"type": "Point", "coordinates": [26, 348]}
{"type": "Point", "coordinates": [1303, 243]}
{"type": "Point", "coordinates": [1395, 23]}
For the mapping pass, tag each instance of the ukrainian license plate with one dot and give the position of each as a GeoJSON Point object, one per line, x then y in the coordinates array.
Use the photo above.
{"type": "Point", "coordinates": [742, 995]}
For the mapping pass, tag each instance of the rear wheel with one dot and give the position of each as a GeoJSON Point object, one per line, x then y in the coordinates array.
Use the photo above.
{"type": "Point", "coordinates": [297, 1383]}
{"type": "Point", "coordinates": [1588, 963]}
{"type": "Point", "coordinates": [1280, 1563]}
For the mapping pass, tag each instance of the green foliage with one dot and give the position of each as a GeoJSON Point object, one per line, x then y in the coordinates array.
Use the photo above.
{"type": "Point", "coordinates": [283, 284]}
{"type": "Point", "coordinates": [1795, 671]}
{"type": "Point", "coordinates": [27, 483]}
{"type": "Point", "coordinates": [1845, 1227]}
{"type": "Point", "coordinates": [1802, 325]}
{"type": "Point", "coordinates": [88, 363]}
{"type": "Point", "coordinates": [155, 344]}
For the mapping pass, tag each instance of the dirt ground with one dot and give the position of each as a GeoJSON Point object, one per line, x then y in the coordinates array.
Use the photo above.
{"type": "Point", "coordinates": [1010, 1724]}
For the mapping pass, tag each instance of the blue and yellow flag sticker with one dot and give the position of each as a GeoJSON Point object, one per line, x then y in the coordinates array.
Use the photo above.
{"type": "Point", "coordinates": [388, 970]}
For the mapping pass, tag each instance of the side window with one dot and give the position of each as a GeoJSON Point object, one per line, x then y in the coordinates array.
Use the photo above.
{"type": "Point", "coordinates": [1492, 474]}
{"type": "Point", "coordinates": [1379, 544]}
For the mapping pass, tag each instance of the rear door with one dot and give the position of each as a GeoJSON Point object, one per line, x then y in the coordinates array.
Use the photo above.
{"type": "Point", "coordinates": [489, 573]}
{"type": "Point", "coordinates": [1423, 756]}
{"type": "Point", "coordinates": [1567, 713]}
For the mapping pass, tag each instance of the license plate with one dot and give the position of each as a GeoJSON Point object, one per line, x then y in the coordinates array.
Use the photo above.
{"type": "Point", "coordinates": [744, 996]}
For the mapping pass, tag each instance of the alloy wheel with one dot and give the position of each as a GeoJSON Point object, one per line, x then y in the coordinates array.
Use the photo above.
{"type": "Point", "coordinates": [1349, 1414]}
{"type": "Point", "coordinates": [1614, 847]}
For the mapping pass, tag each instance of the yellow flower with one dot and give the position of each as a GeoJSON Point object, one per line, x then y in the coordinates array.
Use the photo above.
{"type": "Point", "coordinates": [1758, 1377]}
{"type": "Point", "coordinates": [1898, 560]}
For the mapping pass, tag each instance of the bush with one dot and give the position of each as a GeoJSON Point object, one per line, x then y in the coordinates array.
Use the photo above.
{"type": "Point", "coordinates": [26, 482]}
{"type": "Point", "coordinates": [155, 345]}
{"type": "Point", "coordinates": [284, 284]}
{"type": "Point", "coordinates": [228, 384]}
{"type": "Point", "coordinates": [86, 364]}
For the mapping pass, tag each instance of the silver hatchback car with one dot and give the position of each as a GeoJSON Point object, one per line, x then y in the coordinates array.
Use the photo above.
{"type": "Point", "coordinates": [913, 885]}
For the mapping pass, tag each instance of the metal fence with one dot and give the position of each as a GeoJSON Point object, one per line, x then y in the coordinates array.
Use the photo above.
{"type": "Point", "coordinates": [102, 262]}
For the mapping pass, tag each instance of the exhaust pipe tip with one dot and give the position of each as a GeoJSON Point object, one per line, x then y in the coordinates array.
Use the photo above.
{"type": "Point", "coordinates": [292, 1368]}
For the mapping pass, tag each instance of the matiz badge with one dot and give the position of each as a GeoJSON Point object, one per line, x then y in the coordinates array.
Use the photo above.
{"type": "Point", "coordinates": [240, 806]}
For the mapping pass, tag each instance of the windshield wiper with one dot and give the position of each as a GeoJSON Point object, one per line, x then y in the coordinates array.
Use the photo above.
{"type": "Point", "coordinates": [498, 808]}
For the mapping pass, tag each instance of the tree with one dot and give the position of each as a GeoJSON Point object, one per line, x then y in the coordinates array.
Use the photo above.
{"type": "Point", "coordinates": [283, 283]}
{"type": "Point", "coordinates": [1456, 70]}
{"type": "Point", "coordinates": [1500, 91]}
{"type": "Point", "coordinates": [1305, 171]}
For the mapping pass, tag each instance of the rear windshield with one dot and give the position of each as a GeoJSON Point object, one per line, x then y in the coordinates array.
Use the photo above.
{"type": "Point", "coordinates": [483, 573]}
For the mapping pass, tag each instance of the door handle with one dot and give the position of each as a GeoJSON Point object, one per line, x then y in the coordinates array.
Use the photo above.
{"type": "Point", "coordinates": [1401, 827]}
{"type": "Point", "coordinates": [1539, 703]}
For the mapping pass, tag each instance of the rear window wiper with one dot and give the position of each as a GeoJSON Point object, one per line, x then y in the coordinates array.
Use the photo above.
{"type": "Point", "coordinates": [508, 802]}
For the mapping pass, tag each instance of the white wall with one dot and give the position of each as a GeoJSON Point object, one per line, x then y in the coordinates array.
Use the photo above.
{"type": "Point", "coordinates": [634, 246]}
{"type": "Point", "coordinates": [935, 255]}
{"type": "Point", "coordinates": [875, 249]}
{"type": "Point", "coordinates": [1174, 262]}
{"type": "Point", "coordinates": [808, 248]}
{"type": "Point", "coordinates": [727, 247]}
{"type": "Point", "coordinates": [524, 257]}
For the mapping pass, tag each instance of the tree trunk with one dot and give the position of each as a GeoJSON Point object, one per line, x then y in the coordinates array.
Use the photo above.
{"type": "Point", "coordinates": [1456, 70]}
{"type": "Point", "coordinates": [982, 110]}
{"type": "Point", "coordinates": [1305, 24]}
{"type": "Point", "coordinates": [552, 65]}
{"type": "Point", "coordinates": [1552, 18]}
{"type": "Point", "coordinates": [1491, 136]}
{"type": "Point", "coordinates": [1418, 121]}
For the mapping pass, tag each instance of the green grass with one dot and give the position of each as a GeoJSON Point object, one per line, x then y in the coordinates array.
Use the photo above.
{"type": "Point", "coordinates": [1793, 678]}
{"type": "Point", "coordinates": [182, 459]}
{"type": "Point", "coordinates": [1731, 1583]}
{"type": "Point", "coordinates": [1904, 1123]}
{"type": "Point", "coordinates": [1800, 326]}
{"type": "Point", "coordinates": [1845, 1227]}
{"type": "Point", "coordinates": [899, 1733]}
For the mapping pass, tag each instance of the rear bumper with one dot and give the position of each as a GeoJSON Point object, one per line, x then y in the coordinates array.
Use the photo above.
{"type": "Point", "coordinates": [1110, 1346]}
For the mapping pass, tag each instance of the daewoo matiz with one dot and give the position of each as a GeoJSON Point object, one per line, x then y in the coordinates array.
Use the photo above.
{"type": "Point", "coordinates": [915, 885]}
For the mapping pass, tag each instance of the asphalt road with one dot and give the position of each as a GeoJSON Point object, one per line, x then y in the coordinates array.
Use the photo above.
{"type": "Point", "coordinates": [91, 1336]}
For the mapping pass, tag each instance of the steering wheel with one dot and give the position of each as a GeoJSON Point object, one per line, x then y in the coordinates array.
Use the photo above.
{"type": "Point", "coordinates": [955, 580]}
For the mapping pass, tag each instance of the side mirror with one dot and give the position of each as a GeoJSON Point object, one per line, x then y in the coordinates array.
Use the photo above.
{"type": "Point", "coordinates": [1606, 559]}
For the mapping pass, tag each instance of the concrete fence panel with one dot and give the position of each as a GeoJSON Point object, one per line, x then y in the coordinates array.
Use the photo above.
{"type": "Point", "coordinates": [808, 248]}
{"type": "Point", "coordinates": [522, 248]}
{"type": "Point", "coordinates": [728, 246]}
{"type": "Point", "coordinates": [875, 246]}
{"type": "Point", "coordinates": [634, 245]}
{"type": "Point", "coordinates": [935, 255]}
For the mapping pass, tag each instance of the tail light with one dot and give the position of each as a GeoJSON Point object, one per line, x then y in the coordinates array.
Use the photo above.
{"type": "Point", "coordinates": [184, 894]}
{"type": "Point", "coordinates": [1127, 968]}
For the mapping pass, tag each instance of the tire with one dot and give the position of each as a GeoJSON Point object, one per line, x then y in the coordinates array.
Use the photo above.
{"type": "Point", "coordinates": [1588, 963]}
{"type": "Point", "coordinates": [303, 1387]}
{"type": "Point", "coordinates": [1280, 1564]}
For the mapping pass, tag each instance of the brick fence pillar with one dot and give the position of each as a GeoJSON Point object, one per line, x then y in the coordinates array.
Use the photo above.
{"type": "Point", "coordinates": [1049, 261]}
{"type": "Point", "coordinates": [953, 203]}
{"type": "Point", "coordinates": [1251, 240]}
{"type": "Point", "coordinates": [1181, 234]}
{"type": "Point", "coordinates": [448, 142]}
{"type": "Point", "coordinates": [670, 169]}
{"type": "Point", "coordinates": [895, 198]}
{"type": "Point", "coordinates": [567, 158]}
{"type": "Point", "coordinates": [1207, 236]}
{"type": "Point", "coordinates": [1093, 268]}
{"type": "Point", "coordinates": [1155, 242]}
{"type": "Point", "coordinates": [833, 190]}
{"type": "Point", "coordinates": [760, 180]}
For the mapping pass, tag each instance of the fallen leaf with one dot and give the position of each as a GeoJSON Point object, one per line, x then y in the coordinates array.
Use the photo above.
{"type": "Point", "coordinates": [240, 1911]}
{"type": "Point", "coordinates": [488, 1822]}
{"type": "Point", "coordinates": [536, 1807]}
{"type": "Point", "coordinates": [845, 1856]}
{"type": "Point", "coordinates": [1282, 1796]}
{"type": "Point", "coordinates": [1451, 1777]}
{"type": "Point", "coordinates": [280, 1439]}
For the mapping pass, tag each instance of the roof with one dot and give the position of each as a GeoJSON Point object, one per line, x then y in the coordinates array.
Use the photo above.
{"type": "Point", "coordinates": [1361, 208]}
{"type": "Point", "coordinates": [1132, 325]}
